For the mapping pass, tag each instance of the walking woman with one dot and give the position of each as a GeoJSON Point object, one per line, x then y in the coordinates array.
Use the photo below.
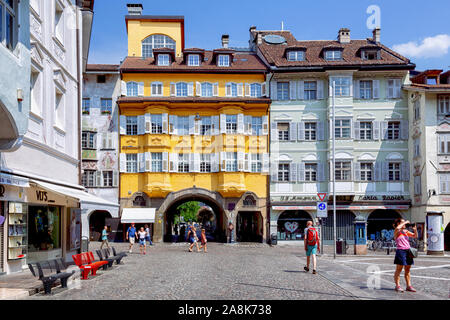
{"type": "Point", "coordinates": [147, 237]}
{"type": "Point", "coordinates": [403, 256]}
{"type": "Point", "coordinates": [142, 242]}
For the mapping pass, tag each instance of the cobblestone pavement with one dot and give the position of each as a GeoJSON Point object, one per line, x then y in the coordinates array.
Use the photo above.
{"type": "Point", "coordinates": [242, 272]}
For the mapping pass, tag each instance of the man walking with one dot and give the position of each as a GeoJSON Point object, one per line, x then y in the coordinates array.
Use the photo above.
{"type": "Point", "coordinates": [104, 237]}
{"type": "Point", "coordinates": [131, 236]}
{"type": "Point", "coordinates": [312, 245]}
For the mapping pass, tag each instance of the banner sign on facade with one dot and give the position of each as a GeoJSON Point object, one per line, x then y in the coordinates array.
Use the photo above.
{"type": "Point", "coordinates": [13, 181]}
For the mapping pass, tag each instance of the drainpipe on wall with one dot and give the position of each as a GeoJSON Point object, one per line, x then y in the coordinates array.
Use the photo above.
{"type": "Point", "coordinates": [269, 235]}
{"type": "Point", "coordinates": [79, 93]}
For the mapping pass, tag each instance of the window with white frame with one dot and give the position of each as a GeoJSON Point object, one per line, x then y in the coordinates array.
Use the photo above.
{"type": "Point", "coordinates": [310, 171]}
{"type": "Point", "coordinates": [370, 55]}
{"type": "Point", "coordinates": [394, 171]}
{"type": "Point", "coordinates": [365, 89]}
{"type": "Point", "coordinates": [194, 60]}
{"type": "Point", "coordinates": [232, 89]}
{"type": "Point", "coordinates": [131, 125]}
{"type": "Point", "coordinates": [283, 131]}
{"type": "Point", "coordinates": [156, 120]}
{"type": "Point", "coordinates": [156, 161]}
{"type": "Point", "coordinates": [132, 89]}
{"type": "Point", "coordinates": [444, 183]}
{"type": "Point", "coordinates": [283, 172]}
{"type": "Point", "coordinates": [393, 130]}
{"type": "Point", "coordinates": [231, 164]}
{"type": "Point", "coordinates": [342, 128]}
{"type": "Point", "coordinates": [86, 106]}
{"type": "Point", "coordinates": [224, 60]}
{"type": "Point", "coordinates": [282, 90]}
{"type": "Point", "coordinates": [343, 171]}
{"type": "Point", "coordinates": [183, 126]}
{"type": "Point", "coordinates": [231, 124]}
{"type": "Point", "coordinates": [256, 126]}
{"type": "Point", "coordinates": [8, 23]}
{"type": "Point", "coordinates": [365, 130]}
{"type": "Point", "coordinates": [444, 143]}
{"type": "Point", "coordinates": [255, 90]}
{"type": "Point", "coordinates": [88, 178]}
{"type": "Point", "coordinates": [310, 131]}
{"type": "Point", "coordinates": [157, 89]}
{"type": "Point", "coordinates": [163, 59]}
{"type": "Point", "coordinates": [366, 171]}
{"type": "Point", "coordinates": [36, 91]}
{"type": "Point", "coordinates": [206, 126]}
{"type": "Point", "coordinates": [342, 86]}
{"type": "Point", "coordinates": [59, 22]}
{"type": "Point", "coordinates": [255, 162]}
{"type": "Point", "coordinates": [333, 55]}
{"type": "Point", "coordinates": [417, 185]}
{"type": "Point", "coordinates": [394, 88]}
{"type": "Point", "coordinates": [205, 162]}
{"type": "Point", "coordinates": [207, 89]}
{"type": "Point", "coordinates": [105, 106]}
{"type": "Point", "coordinates": [156, 41]}
{"type": "Point", "coordinates": [296, 55]}
{"type": "Point", "coordinates": [417, 147]}
{"type": "Point", "coordinates": [88, 140]}
{"type": "Point", "coordinates": [444, 105]}
{"type": "Point", "coordinates": [107, 178]}
{"type": "Point", "coordinates": [181, 89]}
{"type": "Point", "coordinates": [310, 90]}
{"type": "Point", "coordinates": [132, 163]}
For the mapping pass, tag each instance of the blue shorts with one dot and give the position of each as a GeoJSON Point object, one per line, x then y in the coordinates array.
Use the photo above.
{"type": "Point", "coordinates": [142, 242]}
{"type": "Point", "coordinates": [403, 258]}
{"type": "Point", "coordinates": [311, 250]}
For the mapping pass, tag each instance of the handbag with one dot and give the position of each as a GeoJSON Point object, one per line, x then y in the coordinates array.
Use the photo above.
{"type": "Point", "coordinates": [413, 252]}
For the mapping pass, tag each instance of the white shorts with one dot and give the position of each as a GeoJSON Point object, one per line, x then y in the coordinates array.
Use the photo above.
{"type": "Point", "coordinates": [131, 239]}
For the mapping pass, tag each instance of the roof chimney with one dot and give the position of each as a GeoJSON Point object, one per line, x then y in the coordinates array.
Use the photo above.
{"type": "Point", "coordinates": [344, 35]}
{"type": "Point", "coordinates": [135, 9]}
{"type": "Point", "coordinates": [376, 35]}
{"type": "Point", "coordinates": [225, 40]}
{"type": "Point", "coordinates": [259, 38]}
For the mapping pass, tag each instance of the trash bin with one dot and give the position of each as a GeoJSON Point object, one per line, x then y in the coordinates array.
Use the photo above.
{"type": "Point", "coordinates": [340, 245]}
{"type": "Point", "coordinates": [273, 239]}
{"type": "Point", "coordinates": [84, 244]}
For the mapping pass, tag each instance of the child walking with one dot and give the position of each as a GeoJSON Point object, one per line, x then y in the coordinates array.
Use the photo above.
{"type": "Point", "coordinates": [203, 240]}
{"type": "Point", "coordinates": [193, 239]}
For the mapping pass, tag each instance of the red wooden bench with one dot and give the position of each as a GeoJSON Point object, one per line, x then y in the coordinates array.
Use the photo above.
{"type": "Point", "coordinates": [86, 262]}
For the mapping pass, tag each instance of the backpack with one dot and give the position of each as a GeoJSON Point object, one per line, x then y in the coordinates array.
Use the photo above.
{"type": "Point", "coordinates": [312, 236]}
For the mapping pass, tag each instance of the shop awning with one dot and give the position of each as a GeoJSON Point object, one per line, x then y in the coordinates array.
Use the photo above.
{"type": "Point", "coordinates": [88, 201]}
{"type": "Point", "coordinates": [138, 215]}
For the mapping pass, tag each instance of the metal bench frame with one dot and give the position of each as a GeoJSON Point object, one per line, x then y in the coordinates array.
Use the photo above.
{"type": "Point", "coordinates": [49, 280]}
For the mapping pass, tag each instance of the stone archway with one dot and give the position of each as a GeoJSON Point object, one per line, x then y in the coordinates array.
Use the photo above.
{"type": "Point", "coordinates": [97, 223]}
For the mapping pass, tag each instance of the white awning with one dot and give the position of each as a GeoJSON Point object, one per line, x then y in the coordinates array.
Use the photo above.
{"type": "Point", "coordinates": [87, 201]}
{"type": "Point", "coordinates": [138, 215]}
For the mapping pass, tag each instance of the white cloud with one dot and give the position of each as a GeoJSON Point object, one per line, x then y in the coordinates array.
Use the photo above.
{"type": "Point", "coordinates": [431, 47]}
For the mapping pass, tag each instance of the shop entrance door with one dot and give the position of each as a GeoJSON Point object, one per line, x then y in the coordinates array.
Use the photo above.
{"type": "Point", "coordinates": [249, 227]}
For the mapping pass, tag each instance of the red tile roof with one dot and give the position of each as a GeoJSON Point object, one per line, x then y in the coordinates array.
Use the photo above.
{"type": "Point", "coordinates": [102, 67]}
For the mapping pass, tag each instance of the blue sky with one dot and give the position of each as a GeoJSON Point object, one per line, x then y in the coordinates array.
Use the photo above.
{"type": "Point", "coordinates": [418, 29]}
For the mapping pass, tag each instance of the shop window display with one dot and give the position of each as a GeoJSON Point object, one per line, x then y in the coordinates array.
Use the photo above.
{"type": "Point", "coordinates": [44, 228]}
{"type": "Point", "coordinates": [17, 230]}
{"type": "Point", "coordinates": [292, 224]}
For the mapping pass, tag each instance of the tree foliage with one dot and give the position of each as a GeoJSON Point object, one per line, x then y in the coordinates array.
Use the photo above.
{"type": "Point", "coordinates": [189, 210]}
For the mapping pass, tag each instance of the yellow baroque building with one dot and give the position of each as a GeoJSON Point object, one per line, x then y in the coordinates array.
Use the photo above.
{"type": "Point", "coordinates": [193, 126]}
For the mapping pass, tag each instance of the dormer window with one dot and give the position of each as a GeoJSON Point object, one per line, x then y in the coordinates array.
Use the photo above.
{"type": "Point", "coordinates": [296, 55]}
{"type": "Point", "coordinates": [163, 59]}
{"type": "Point", "coordinates": [333, 55]}
{"type": "Point", "coordinates": [370, 55]}
{"type": "Point", "coordinates": [223, 60]}
{"type": "Point", "coordinates": [194, 60]}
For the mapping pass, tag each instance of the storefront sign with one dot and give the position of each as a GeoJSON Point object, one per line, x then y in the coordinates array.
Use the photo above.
{"type": "Point", "coordinates": [342, 207]}
{"type": "Point", "coordinates": [296, 198]}
{"type": "Point", "coordinates": [13, 181]}
{"type": "Point", "coordinates": [281, 208]}
{"type": "Point", "coordinates": [382, 198]}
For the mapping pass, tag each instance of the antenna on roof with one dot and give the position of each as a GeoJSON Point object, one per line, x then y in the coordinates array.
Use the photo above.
{"type": "Point", "coordinates": [282, 26]}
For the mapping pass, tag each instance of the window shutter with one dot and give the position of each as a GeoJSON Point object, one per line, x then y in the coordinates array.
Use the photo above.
{"type": "Point", "coordinates": [247, 157]}
{"type": "Point", "coordinates": [141, 125]}
{"type": "Point", "coordinates": [385, 172]}
{"type": "Point", "coordinates": [248, 125]}
{"type": "Point", "coordinates": [222, 161]}
{"type": "Point", "coordinates": [165, 123]}
{"type": "Point", "coordinates": [240, 123]}
{"type": "Point", "coordinates": [265, 163]}
{"type": "Point", "coordinates": [123, 88]}
{"type": "Point", "coordinates": [198, 89]}
{"type": "Point", "coordinates": [330, 129]}
{"type": "Point", "coordinates": [140, 89]}
{"type": "Point", "coordinates": [190, 89]}
{"type": "Point", "coordinates": [228, 89]}
{"type": "Point", "coordinates": [247, 90]}
{"type": "Point", "coordinates": [357, 171]}
{"type": "Point", "coordinates": [356, 92]}
{"type": "Point", "coordinates": [104, 140]}
{"type": "Point", "coordinates": [404, 129]}
{"type": "Point", "coordinates": [173, 125]}
{"type": "Point", "coordinates": [123, 162]}
{"type": "Point", "coordinates": [397, 88]}
{"type": "Point", "coordinates": [115, 179]}
{"type": "Point", "coordinates": [111, 140]}
{"type": "Point", "coordinates": [274, 171]}
{"type": "Point", "coordinates": [301, 131]}
{"type": "Point", "coordinates": [223, 123]}
{"type": "Point", "coordinates": [320, 130]}
{"type": "Point", "coordinates": [148, 162]}
{"type": "Point", "coordinates": [173, 91]}
{"type": "Point", "coordinates": [321, 171]}
{"type": "Point", "coordinates": [216, 89]}
{"type": "Point", "coordinates": [215, 162]}
{"type": "Point", "coordinates": [240, 89]}
{"type": "Point", "coordinates": [384, 130]}
{"type": "Point", "coordinates": [191, 160]}
{"type": "Point", "coordinates": [141, 162]}
{"type": "Point", "coordinates": [320, 87]}
{"type": "Point", "coordinates": [215, 123]}
{"type": "Point", "coordinates": [301, 171]}
{"type": "Point", "coordinates": [376, 89]}
{"type": "Point", "coordinates": [389, 89]}
{"type": "Point", "coordinates": [292, 172]}
{"type": "Point", "coordinates": [191, 124]}
{"type": "Point", "coordinates": [293, 131]}
{"type": "Point", "coordinates": [293, 90]}
{"type": "Point", "coordinates": [123, 125]}
{"type": "Point", "coordinates": [165, 160]}
{"type": "Point", "coordinates": [99, 179]}
{"type": "Point", "coordinates": [196, 162]}
{"type": "Point", "coordinates": [241, 159]}
{"type": "Point", "coordinates": [173, 162]}
{"type": "Point", "coordinates": [301, 90]}
{"type": "Point", "coordinates": [263, 89]}
{"type": "Point", "coordinates": [274, 131]}
{"type": "Point", "coordinates": [197, 126]}
{"type": "Point", "coordinates": [265, 125]}
{"type": "Point", "coordinates": [405, 171]}
{"type": "Point", "coordinates": [357, 130]}
{"type": "Point", "coordinates": [148, 123]}
{"type": "Point", "coordinates": [376, 130]}
{"type": "Point", "coordinates": [273, 91]}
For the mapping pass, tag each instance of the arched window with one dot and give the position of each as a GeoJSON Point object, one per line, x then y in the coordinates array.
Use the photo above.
{"type": "Point", "coordinates": [139, 201]}
{"type": "Point", "coordinates": [249, 201]}
{"type": "Point", "coordinates": [156, 41]}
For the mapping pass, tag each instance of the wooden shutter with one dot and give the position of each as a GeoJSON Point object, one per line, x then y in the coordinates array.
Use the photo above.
{"type": "Point", "coordinates": [357, 171]}
{"type": "Point", "coordinates": [216, 89]}
{"type": "Point", "coordinates": [384, 130]}
{"type": "Point", "coordinates": [140, 89]}
{"type": "Point", "coordinates": [320, 87]}
{"type": "Point", "coordinates": [321, 171]}
{"type": "Point", "coordinates": [265, 163]}
{"type": "Point", "coordinates": [123, 125]}
{"type": "Point", "coordinates": [173, 124]}
{"type": "Point", "coordinates": [115, 179]}
{"type": "Point", "coordinates": [173, 162]}
{"type": "Point", "coordinates": [215, 162]}
{"type": "Point", "coordinates": [191, 160]}
{"type": "Point", "coordinates": [405, 171]}
{"type": "Point", "coordinates": [263, 89]}
{"type": "Point", "coordinates": [376, 89]}
{"type": "Point", "coordinates": [247, 158]}
{"type": "Point", "coordinates": [265, 125]}
{"type": "Point", "coordinates": [173, 89]}
{"type": "Point", "coordinates": [301, 131]}
{"type": "Point", "coordinates": [123, 88]}
{"type": "Point", "coordinates": [215, 125]}
{"type": "Point", "coordinates": [397, 88]}
{"type": "Point", "coordinates": [104, 138]}
{"type": "Point", "coordinates": [404, 129]}
{"type": "Point", "coordinates": [376, 130]}
{"type": "Point", "coordinates": [165, 161]}
{"type": "Point", "coordinates": [273, 91]}
{"type": "Point", "coordinates": [357, 130]}
{"type": "Point", "coordinates": [148, 123]}
{"type": "Point", "coordinates": [198, 89]}
{"type": "Point", "coordinates": [356, 92]}
{"type": "Point", "coordinates": [148, 162]}
{"type": "Point", "coordinates": [293, 131]}
{"type": "Point", "coordinates": [240, 89]}
{"type": "Point", "coordinates": [248, 125]}
{"type": "Point", "coordinates": [292, 172]}
{"type": "Point", "coordinates": [385, 173]}
{"type": "Point", "coordinates": [191, 124]}
{"type": "Point", "coordinates": [141, 162]}
{"type": "Point", "coordinates": [377, 167]}
{"type": "Point", "coordinates": [301, 171]}
{"type": "Point", "coordinates": [165, 123]}
{"type": "Point", "coordinates": [196, 162]}
{"type": "Point", "coordinates": [320, 130]}
{"type": "Point", "coordinates": [222, 161]}
{"type": "Point", "coordinates": [293, 90]}
{"type": "Point", "coordinates": [190, 89]}
{"type": "Point", "coordinates": [274, 131]}
{"type": "Point", "coordinates": [274, 171]}
{"type": "Point", "coordinates": [223, 123]}
{"type": "Point", "coordinates": [240, 123]}
{"type": "Point", "coordinates": [247, 90]}
{"type": "Point", "coordinates": [228, 89]}
{"type": "Point", "coordinates": [301, 90]}
{"type": "Point", "coordinates": [241, 159]}
{"type": "Point", "coordinates": [123, 162]}
{"type": "Point", "coordinates": [141, 125]}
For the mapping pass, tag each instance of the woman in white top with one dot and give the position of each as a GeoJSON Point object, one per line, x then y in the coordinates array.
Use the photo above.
{"type": "Point", "coordinates": [142, 235]}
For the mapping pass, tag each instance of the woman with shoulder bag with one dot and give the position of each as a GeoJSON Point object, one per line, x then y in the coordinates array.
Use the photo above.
{"type": "Point", "coordinates": [404, 257]}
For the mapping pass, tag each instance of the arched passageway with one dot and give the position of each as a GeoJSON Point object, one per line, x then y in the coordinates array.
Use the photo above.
{"type": "Point", "coordinates": [97, 221]}
{"type": "Point", "coordinates": [380, 224]}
